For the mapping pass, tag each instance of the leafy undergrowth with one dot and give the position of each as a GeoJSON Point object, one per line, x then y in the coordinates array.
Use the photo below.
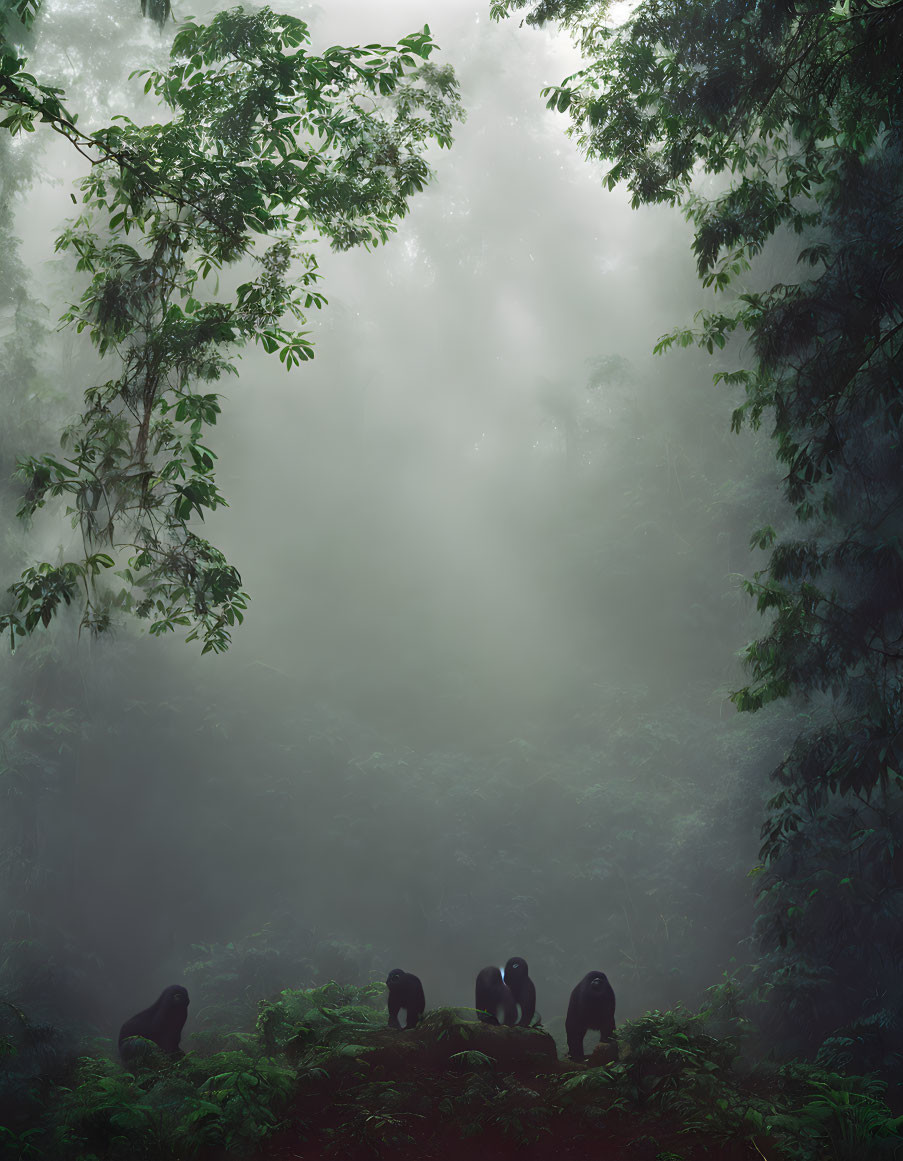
{"type": "Point", "coordinates": [321, 1077]}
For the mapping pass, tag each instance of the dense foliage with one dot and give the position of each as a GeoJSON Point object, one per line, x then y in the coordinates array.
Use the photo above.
{"type": "Point", "coordinates": [321, 1075]}
{"type": "Point", "coordinates": [794, 109]}
{"type": "Point", "coordinates": [267, 148]}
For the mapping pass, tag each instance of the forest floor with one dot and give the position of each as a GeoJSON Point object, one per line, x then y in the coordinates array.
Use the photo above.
{"type": "Point", "coordinates": [491, 1094]}
{"type": "Point", "coordinates": [321, 1078]}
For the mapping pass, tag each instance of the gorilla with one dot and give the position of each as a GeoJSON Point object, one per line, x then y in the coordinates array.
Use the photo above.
{"type": "Point", "coordinates": [522, 988]}
{"type": "Point", "coordinates": [492, 996]}
{"type": "Point", "coordinates": [161, 1023]}
{"type": "Point", "coordinates": [405, 991]}
{"type": "Point", "coordinates": [592, 1005]}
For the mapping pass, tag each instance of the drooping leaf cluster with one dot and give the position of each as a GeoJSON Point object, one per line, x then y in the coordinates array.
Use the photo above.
{"type": "Point", "coordinates": [267, 149]}
{"type": "Point", "coordinates": [23, 100]}
{"type": "Point", "coordinates": [157, 10]}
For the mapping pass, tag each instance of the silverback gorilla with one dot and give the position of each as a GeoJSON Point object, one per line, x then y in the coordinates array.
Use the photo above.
{"type": "Point", "coordinates": [592, 1005]}
{"type": "Point", "coordinates": [522, 988]}
{"type": "Point", "coordinates": [405, 991]}
{"type": "Point", "coordinates": [162, 1023]}
{"type": "Point", "coordinates": [493, 995]}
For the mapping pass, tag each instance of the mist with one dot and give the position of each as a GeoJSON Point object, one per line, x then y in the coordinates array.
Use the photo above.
{"type": "Point", "coordinates": [479, 706]}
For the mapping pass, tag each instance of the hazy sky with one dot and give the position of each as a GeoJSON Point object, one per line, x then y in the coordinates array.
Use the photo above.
{"type": "Point", "coordinates": [415, 432]}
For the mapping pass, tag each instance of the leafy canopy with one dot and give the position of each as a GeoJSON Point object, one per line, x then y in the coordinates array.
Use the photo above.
{"type": "Point", "coordinates": [794, 108]}
{"type": "Point", "coordinates": [268, 148]}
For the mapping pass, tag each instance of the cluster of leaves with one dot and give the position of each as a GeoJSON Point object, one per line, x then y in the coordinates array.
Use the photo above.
{"type": "Point", "coordinates": [795, 108]}
{"type": "Point", "coordinates": [318, 1016]}
{"type": "Point", "coordinates": [229, 1101]}
{"type": "Point", "coordinates": [157, 10]}
{"type": "Point", "coordinates": [268, 147]}
{"type": "Point", "coordinates": [672, 1067]}
{"type": "Point", "coordinates": [22, 345]}
{"type": "Point", "coordinates": [23, 100]}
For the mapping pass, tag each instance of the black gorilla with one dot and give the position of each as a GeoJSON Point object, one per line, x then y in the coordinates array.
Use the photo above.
{"type": "Point", "coordinates": [522, 988]}
{"type": "Point", "coordinates": [494, 995]}
{"type": "Point", "coordinates": [405, 991]}
{"type": "Point", "coordinates": [162, 1023]}
{"type": "Point", "coordinates": [592, 1005]}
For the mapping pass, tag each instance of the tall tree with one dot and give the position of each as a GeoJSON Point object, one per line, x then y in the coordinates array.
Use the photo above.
{"type": "Point", "coordinates": [268, 148]}
{"type": "Point", "coordinates": [797, 108]}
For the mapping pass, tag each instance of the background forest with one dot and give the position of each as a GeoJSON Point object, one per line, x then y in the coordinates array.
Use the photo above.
{"type": "Point", "coordinates": [467, 671]}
